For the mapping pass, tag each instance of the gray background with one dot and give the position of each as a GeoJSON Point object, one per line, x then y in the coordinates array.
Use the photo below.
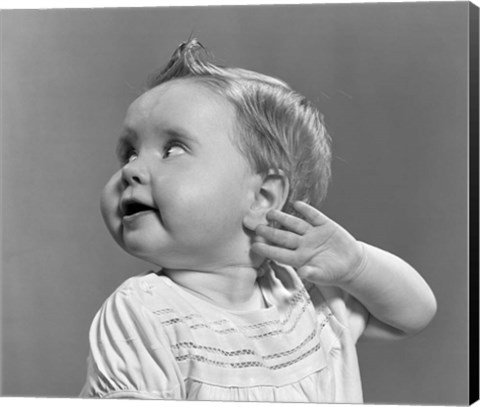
{"type": "Point", "coordinates": [392, 82]}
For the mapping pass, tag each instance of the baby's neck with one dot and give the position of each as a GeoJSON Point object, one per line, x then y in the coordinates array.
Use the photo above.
{"type": "Point", "coordinates": [233, 288]}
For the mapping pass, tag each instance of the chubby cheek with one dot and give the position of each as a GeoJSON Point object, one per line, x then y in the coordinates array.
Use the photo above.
{"type": "Point", "coordinates": [109, 207]}
{"type": "Point", "coordinates": [198, 211]}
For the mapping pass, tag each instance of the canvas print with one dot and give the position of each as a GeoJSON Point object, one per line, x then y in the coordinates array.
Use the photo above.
{"type": "Point", "coordinates": [240, 203]}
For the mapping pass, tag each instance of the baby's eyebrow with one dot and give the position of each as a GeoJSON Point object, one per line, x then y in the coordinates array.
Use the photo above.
{"type": "Point", "coordinates": [179, 134]}
{"type": "Point", "coordinates": [127, 138]}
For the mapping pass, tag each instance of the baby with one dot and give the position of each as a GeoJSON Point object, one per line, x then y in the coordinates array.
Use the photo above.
{"type": "Point", "coordinates": [258, 295]}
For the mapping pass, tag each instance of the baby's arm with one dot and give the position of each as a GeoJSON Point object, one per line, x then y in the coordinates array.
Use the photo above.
{"type": "Point", "coordinates": [390, 297]}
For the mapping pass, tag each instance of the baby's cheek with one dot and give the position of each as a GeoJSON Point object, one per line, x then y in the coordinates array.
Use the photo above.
{"type": "Point", "coordinates": [195, 210]}
{"type": "Point", "coordinates": [109, 201]}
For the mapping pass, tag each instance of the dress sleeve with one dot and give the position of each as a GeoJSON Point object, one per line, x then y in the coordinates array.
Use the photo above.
{"type": "Point", "coordinates": [129, 354]}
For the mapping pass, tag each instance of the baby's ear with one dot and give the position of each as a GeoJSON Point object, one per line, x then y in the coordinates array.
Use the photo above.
{"type": "Point", "coordinates": [271, 193]}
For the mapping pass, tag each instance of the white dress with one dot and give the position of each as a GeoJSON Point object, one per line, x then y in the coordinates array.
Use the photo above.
{"type": "Point", "coordinates": [153, 339]}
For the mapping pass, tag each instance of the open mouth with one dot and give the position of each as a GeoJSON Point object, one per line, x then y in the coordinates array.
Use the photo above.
{"type": "Point", "coordinates": [131, 208]}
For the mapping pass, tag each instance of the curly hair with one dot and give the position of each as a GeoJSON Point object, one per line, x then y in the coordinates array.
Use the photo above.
{"type": "Point", "coordinates": [279, 129]}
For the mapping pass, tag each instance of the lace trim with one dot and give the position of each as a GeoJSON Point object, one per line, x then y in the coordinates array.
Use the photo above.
{"type": "Point", "coordinates": [189, 346]}
{"type": "Point", "coordinates": [300, 296]}
{"type": "Point", "coordinates": [240, 352]}
{"type": "Point", "coordinates": [220, 357]}
{"type": "Point", "coordinates": [243, 365]}
{"type": "Point", "coordinates": [189, 317]}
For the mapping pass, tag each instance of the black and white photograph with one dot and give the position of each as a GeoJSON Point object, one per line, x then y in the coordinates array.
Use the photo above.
{"type": "Point", "coordinates": [240, 203]}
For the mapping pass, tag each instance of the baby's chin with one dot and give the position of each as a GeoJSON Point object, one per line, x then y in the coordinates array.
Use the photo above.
{"type": "Point", "coordinates": [167, 253]}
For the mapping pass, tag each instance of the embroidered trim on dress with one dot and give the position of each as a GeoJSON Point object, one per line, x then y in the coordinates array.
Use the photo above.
{"type": "Point", "coordinates": [301, 295]}
{"type": "Point", "coordinates": [239, 352]}
{"type": "Point", "coordinates": [243, 365]}
{"type": "Point", "coordinates": [211, 349]}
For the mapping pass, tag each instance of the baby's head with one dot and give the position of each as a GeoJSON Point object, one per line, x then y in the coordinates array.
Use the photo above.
{"type": "Point", "coordinates": [277, 128]}
{"type": "Point", "coordinates": [205, 153]}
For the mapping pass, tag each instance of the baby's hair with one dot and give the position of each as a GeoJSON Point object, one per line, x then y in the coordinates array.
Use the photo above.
{"type": "Point", "coordinates": [279, 129]}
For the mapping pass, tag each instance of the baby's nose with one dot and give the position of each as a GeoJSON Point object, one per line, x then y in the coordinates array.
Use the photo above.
{"type": "Point", "coordinates": [134, 172]}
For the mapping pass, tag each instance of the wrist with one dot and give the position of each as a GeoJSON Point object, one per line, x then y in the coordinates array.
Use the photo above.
{"type": "Point", "coordinates": [359, 264]}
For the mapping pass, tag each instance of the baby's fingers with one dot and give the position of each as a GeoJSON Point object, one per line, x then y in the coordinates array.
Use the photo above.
{"type": "Point", "coordinates": [290, 222]}
{"type": "Point", "coordinates": [312, 215]}
{"type": "Point", "coordinates": [278, 237]}
{"type": "Point", "coordinates": [274, 253]}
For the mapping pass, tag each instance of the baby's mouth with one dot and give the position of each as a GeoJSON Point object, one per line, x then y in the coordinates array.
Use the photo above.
{"type": "Point", "coordinates": [131, 208]}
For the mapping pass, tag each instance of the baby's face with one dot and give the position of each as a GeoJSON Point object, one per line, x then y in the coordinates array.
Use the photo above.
{"type": "Point", "coordinates": [183, 189]}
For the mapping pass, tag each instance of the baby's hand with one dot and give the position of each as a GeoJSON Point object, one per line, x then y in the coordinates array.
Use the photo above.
{"type": "Point", "coordinates": [320, 250]}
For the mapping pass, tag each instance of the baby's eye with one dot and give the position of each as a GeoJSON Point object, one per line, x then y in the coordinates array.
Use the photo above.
{"type": "Point", "coordinates": [127, 156]}
{"type": "Point", "coordinates": [173, 148]}
{"type": "Point", "coordinates": [132, 156]}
